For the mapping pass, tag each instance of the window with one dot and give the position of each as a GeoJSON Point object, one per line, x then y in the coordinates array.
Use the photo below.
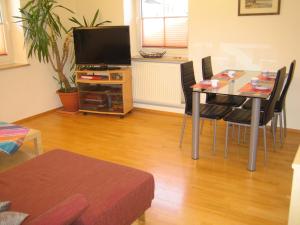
{"type": "Point", "coordinates": [12, 50]}
{"type": "Point", "coordinates": [164, 23]}
{"type": "Point", "coordinates": [2, 34]}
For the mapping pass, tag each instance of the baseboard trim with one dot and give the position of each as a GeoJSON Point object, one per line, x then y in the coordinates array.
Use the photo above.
{"type": "Point", "coordinates": [161, 107]}
{"type": "Point", "coordinates": [293, 130]}
{"type": "Point", "coordinates": [37, 115]}
{"type": "Point", "coordinates": [158, 112]}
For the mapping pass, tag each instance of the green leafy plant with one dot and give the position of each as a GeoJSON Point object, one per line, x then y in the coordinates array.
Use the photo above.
{"type": "Point", "coordinates": [93, 23]}
{"type": "Point", "coordinates": [44, 31]}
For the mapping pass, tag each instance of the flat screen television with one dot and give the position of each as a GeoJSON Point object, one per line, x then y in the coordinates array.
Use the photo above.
{"type": "Point", "coordinates": [105, 45]}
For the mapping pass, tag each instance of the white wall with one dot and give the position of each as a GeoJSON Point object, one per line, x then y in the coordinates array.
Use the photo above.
{"type": "Point", "coordinates": [109, 10]}
{"type": "Point", "coordinates": [29, 90]}
{"type": "Point", "coordinates": [248, 42]}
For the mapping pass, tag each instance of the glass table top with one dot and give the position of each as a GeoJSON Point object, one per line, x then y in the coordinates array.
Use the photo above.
{"type": "Point", "coordinates": [238, 83]}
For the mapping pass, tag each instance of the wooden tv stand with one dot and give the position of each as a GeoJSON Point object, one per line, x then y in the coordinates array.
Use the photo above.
{"type": "Point", "coordinates": [105, 91]}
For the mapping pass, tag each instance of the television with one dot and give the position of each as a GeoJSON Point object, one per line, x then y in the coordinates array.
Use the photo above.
{"type": "Point", "coordinates": [105, 45]}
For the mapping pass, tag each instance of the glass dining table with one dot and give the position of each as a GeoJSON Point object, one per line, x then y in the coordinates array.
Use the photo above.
{"type": "Point", "coordinates": [235, 83]}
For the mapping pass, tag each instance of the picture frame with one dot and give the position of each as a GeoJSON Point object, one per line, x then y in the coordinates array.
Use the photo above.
{"type": "Point", "coordinates": [258, 7]}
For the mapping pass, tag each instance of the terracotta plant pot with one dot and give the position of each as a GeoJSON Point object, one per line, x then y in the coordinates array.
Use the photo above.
{"type": "Point", "coordinates": [69, 100]}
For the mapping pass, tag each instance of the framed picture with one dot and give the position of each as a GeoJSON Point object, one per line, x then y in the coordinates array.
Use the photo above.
{"type": "Point", "coordinates": [259, 7]}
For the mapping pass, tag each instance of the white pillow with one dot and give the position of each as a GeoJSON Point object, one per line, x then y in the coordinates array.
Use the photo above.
{"type": "Point", "coordinates": [12, 218]}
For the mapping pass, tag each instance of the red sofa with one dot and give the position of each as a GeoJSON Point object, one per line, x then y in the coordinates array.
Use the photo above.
{"type": "Point", "coordinates": [115, 194]}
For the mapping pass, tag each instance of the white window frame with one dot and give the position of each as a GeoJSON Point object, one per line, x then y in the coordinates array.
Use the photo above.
{"type": "Point", "coordinates": [5, 59]}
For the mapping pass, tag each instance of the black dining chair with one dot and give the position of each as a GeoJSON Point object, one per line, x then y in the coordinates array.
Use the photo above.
{"type": "Point", "coordinates": [218, 99]}
{"type": "Point", "coordinates": [280, 109]}
{"type": "Point", "coordinates": [207, 111]}
{"type": "Point", "coordinates": [242, 116]}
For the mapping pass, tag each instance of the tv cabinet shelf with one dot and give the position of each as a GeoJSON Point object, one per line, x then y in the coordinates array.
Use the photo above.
{"type": "Point", "coordinates": [105, 92]}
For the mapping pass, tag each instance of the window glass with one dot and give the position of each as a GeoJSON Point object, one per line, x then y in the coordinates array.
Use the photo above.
{"type": "Point", "coordinates": [164, 23]}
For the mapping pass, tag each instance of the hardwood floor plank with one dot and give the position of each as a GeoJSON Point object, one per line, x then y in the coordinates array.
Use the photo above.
{"type": "Point", "coordinates": [212, 190]}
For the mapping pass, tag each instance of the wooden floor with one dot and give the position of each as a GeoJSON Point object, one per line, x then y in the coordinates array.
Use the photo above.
{"type": "Point", "coordinates": [211, 190]}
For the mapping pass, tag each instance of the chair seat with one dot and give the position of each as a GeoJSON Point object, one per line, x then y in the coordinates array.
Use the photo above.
{"type": "Point", "coordinates": [215, 112]}
{"type": "Point", "coordinates": [248, 105]}
{"type": "Point", "coordinates": [234, 101]}
{"type": "Point", "coordinates": [242, 116]}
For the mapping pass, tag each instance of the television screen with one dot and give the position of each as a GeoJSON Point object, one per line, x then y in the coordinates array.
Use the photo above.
{"type": "Point", "coordinates": [107, 45]}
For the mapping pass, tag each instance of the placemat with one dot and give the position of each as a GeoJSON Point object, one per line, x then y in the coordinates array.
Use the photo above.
{"type": "Point", "coordinates": [248, 88]}
{"type": "Point", "coordinates": [224, 75]}
{"type": "Point", "coordinates": [266, 78]}
{"type": "Point", "coordinates": [208, 86]}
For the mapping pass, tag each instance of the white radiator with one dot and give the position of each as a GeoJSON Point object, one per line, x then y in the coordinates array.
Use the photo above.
{"type": "Point", "coordinates": [157, 83]}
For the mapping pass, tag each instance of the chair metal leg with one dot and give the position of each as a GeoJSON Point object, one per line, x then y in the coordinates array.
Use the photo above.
{"type": "Point", "coordinates": [281, 129]}
{"type": "Point", "coordinates": [233, 130]}
{"type": "Point", "coordinates": [182, 130]}
{"type": "Point", "coordinates": [245, 134]}
{"type": "Point", "coordinates": [272, 125]}
{"type": "Point", "coordinates": [214, 137]}
{"type": "Point", "coordinates": [226, 141]}
{"type": "Point", "coordinates": [274, 132]}
{"type": "Point", "coordinates": [265, 142]}
{"type": "Point", "coordinates": [275, 125]}
{"type": "Point", "coordinates": [284, 120]}
{"type": "Point", "coordinates": [239, 133]}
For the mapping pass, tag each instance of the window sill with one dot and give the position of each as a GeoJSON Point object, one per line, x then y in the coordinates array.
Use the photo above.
{"type": "Point", "coordinates": [176, 60]}
{"type": "Point", "coordinates": [12, 66]}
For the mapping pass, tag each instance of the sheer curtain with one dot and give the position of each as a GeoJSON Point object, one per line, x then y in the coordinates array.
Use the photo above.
{"type": "Point", "coordinates": [165, 23]}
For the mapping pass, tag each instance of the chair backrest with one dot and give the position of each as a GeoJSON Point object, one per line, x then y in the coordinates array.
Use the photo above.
{"type": "Point", "coordinates": [281, 101]}
{"type": "Point", "coordinates": [270, 106]}
{"type": "Point", "coordinates": [187, 80]}
{"type": "Point", "coordinates": [207, 71]}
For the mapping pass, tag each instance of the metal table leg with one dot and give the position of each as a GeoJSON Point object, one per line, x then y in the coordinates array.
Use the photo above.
{"type": "Point", "coordinates": [195, 130]}
{"type": "Point", "coordinates": [254, 133]}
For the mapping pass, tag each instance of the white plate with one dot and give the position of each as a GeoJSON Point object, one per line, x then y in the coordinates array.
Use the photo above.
{"type": "Point", "coordinates": [205, 82]}
{"type": "Point", "coordinates": [261, 88]}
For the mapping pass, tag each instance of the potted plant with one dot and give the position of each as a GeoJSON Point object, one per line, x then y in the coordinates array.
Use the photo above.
{"type": "Point", "coordinates": [51, 42]}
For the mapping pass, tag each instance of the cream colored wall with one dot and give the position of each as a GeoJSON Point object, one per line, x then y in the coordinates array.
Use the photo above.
{"type": "Point", "coordinates": [109, 9]}
{"type": "Point", "coordinates": [249, 42]}
{"type": "Point", "coordinates": [130, 8]}
{"type": "Point", "coordinates": [26, 91]}
{"type": "Point", "coordinates": [29, 90]}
